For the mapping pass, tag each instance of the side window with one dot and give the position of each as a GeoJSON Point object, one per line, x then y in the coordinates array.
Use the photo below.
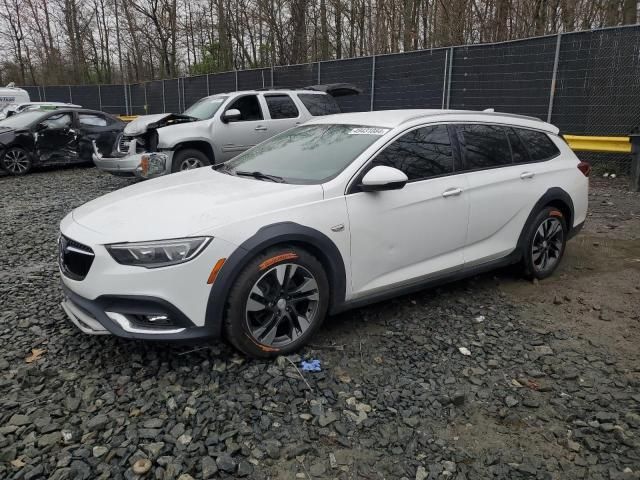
{"type": "Point", "coordinates": [483, 146]}
{"type": "Point", "coordinates": [518, 150]}
{"type": "Point", "coordinates": [60, 120]}
{"type": "Point", "coordinates": [249, 108]}
{"type": "Point", "coordinates": [92, 120]}
{"type": "Point", "coordinates": [281, 106]}
{"type": "Point", "coordinates": [422, 153]}
{"type": "Point", "coordinates": [319, 105]}
{"type": "Point", "coordinates": [538, 144]}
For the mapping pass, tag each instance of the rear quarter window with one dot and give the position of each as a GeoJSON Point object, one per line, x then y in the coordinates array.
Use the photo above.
{"type": "Point", "coordinates": [318, 104]}
{"type": "Point", "coordinates": [538, 144]}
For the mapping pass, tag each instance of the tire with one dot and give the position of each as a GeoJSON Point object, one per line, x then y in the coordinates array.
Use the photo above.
{"type": "Point", "coordinates": [189, 159]}
{"type": "Point", "coordinates": [545, 242]}
{"type": "Point", "coordinates": [262, 320]}
{"type": "Point", "coordinates": [16, 161]}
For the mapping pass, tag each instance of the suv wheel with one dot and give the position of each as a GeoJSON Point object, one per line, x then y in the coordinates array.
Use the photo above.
{"type": "Point", "coordinates": [189, 159]}
{"type": "Point", "coordinates": [16, 161]}
{"type": "Point", "coordinates": [277, 302]}
{"type": "Point", "coordinates": [545, 243]}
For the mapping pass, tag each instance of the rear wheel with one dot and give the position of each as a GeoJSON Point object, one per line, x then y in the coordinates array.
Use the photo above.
{"type": "Point", "coordinates": [545, 243]}
{"type": "Point", "coordinates": [16, 161]}
{"type": "Point", "coordinates": [189, 159]}
{"type": "Point", "coordinates": [277, 302]}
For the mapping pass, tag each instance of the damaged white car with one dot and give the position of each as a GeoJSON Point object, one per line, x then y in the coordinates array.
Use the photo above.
{"type": "Point", "coordinates": [215, 129]}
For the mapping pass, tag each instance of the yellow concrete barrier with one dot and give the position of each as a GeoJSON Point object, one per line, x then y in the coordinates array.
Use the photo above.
{"type": "Point", "coordinates": [127, 118]}
{"type": "Point", "coordinates": [598, 144]}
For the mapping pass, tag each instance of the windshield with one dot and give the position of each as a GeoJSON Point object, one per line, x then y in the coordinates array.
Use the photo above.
{"type": "Point", "coordinates": [205, 108]}
{"type": "Point", "coordinates": [307, 154]}
{"type": "Point", "coordinates": [23, 120]}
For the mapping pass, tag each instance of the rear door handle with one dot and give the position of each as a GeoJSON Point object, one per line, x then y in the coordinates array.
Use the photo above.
{"type": "Point", "coordinates": [260, 128]}
{"type": "Point", "coordinates": [525, 175]}
{"type": "Point", "coordinates": [452, 192]}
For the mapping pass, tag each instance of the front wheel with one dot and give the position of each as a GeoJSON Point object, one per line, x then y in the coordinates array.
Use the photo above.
{"type": "Point", "coordinates": [277, 303]}
{"type": "Point", "coordinates": [16, 161]}
{"type": "Point", "coordinates": [545, 243]}
{"type": "Point", "coordinates": [189, 159]}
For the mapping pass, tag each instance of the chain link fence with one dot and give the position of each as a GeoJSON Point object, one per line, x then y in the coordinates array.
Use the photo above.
{"type": "Point", "coordinates": [586, 83]}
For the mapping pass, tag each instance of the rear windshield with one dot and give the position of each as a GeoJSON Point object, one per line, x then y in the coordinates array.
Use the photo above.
{"type": "Point", "coordinates": [308, 154]}
{"type": "Point", "coordinates": [319, 105]}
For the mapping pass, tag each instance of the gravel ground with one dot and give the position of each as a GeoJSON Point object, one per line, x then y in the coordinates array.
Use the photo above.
{"type": "Point", "coordinates": [550, 389]}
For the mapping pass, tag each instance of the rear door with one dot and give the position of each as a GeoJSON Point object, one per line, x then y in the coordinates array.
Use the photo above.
{"type": "Point", "coordinates": [501, 192]}
{"type": "Point", "coordinates": [98, 127]}
{"type": "Point", "coordinates": [283, 112]}
{"type": "Point", "coordinates": [56, 139]}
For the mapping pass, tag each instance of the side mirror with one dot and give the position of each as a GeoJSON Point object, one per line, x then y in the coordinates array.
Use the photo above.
{"type": "Point", "coordinates": [231, 115]}
{"type": "Point", "coordinates": [41, 127]}
{"type": "Point", "coordinates": [383, 178]}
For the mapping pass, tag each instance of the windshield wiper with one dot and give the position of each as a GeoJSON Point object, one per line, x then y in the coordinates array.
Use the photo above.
{"type": "Point", "coordinates": [261, 176]}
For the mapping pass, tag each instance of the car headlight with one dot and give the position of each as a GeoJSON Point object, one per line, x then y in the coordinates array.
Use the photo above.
{"type": "Point", "coordinates": [161, 253]}
{"type": "Point", "coordinates": [151, 164]}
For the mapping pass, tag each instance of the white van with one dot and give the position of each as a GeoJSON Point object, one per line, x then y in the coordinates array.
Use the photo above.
{"type": "Point", "coordinates": [12, 95]}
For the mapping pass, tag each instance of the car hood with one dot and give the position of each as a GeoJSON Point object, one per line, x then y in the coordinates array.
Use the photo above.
{"type": "Point", "coordinates": [148, 122]}
{"type": "Point", "coordinates": [184, 204]}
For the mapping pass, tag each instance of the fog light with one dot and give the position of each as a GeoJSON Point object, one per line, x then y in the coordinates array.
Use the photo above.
{"type": "Point", "coordinates": [155, 320]}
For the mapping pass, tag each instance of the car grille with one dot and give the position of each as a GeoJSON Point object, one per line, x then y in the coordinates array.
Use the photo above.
{"type": "Point", "coordinates": [75, 259]}
{"type": "Point", "coordinates": [123, 143]}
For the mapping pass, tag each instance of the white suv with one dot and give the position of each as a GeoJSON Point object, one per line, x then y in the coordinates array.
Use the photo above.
{"type": "Point", "coordinates": [342, 211]}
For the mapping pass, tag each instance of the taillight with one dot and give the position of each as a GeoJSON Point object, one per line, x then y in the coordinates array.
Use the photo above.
{"type": "Point", "coordinates": [585, 168]}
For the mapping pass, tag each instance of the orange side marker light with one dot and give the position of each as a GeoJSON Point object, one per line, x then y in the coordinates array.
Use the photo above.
{"type": "Point", "coordinates": [215, 270]}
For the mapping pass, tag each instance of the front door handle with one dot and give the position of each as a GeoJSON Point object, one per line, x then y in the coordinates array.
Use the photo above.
{"type": "Point", "coordinates": [452, 192]}
{"type": "Point", "coordinates": [526, 175]}
{"type": "Point", "coordinates": [260, 128]}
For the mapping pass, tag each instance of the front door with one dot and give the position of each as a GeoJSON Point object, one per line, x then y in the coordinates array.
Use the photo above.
{"type": "Point", "coordinates": [249, 130]}
{"type": "Point", "coordinates": [407, 235]}
{"type": "Point", "coordinates": [56, 141]}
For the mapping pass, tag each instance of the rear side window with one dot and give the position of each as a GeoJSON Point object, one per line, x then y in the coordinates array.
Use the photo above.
{"type": "Point", "coordinates": [92, 120]}
{"type": "Point", "coordinates": [483, 146]}
{"type": "Point", "coordinates": [518, 150]}
{"type": "Point", "coordinates": [538, 144]}
{"type": "Point", "coordinates": [319, 105]}
{"type": "Point", "coordinates": [281, 106]}
{"type": "Point", "coordinates": [422, 153]}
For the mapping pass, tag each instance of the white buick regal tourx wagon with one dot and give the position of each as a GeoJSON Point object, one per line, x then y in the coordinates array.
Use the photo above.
{"type": "Point", "coordinates": [341, 211]}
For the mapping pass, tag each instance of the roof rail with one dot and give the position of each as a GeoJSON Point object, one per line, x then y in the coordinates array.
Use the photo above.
{"type": "Point", "coordinates": [484, 112]}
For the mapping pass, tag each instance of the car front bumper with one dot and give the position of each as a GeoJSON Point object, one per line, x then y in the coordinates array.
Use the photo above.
{"type": "Point", "coordinates": [141, 165]}
{"type": "Point", "coordinates": [123, 300]}
{"type": "Point", "coordinates": [120, 316]}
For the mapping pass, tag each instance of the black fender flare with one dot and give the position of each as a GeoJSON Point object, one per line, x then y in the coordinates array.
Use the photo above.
{"type": "Point", "coordinates": [553, 194]}
{"type": "Point", "coordinates": [268, 236]}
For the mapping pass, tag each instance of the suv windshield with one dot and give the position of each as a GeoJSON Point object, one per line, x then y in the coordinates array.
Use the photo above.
{"type": "Point", "coordinates": [307, 154]}
{"type": "Point", "coordinates": [23, 120]}
{"type": "Point", "coordinates": [205, 108]}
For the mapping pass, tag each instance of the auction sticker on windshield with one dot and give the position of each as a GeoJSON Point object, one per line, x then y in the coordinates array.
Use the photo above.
{"type": "Point", "coordinates": [368, 131]}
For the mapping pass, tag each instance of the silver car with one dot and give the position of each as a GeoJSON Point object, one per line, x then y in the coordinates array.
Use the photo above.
{"type": "Point", "coordinates": [215, 129]}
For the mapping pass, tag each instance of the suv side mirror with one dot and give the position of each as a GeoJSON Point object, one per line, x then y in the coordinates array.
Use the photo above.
{"type": "Point", "coordinates": [231, 115]}
{"type": "Point", "coordinates": [41, 127]}
{"type": "Point", "coordinates": [383, 178]}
